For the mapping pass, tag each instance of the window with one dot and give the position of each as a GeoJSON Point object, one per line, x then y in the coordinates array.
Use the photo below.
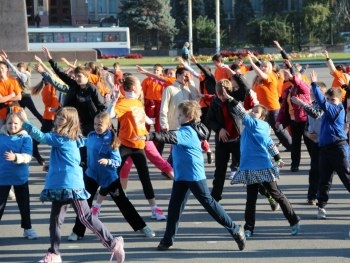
{"type": "Point", "coordinates": [102, 6]}
{"type": "Point", "coordinates": [91, 7]}
{"type": "Point", "coordinates": [78, 37]}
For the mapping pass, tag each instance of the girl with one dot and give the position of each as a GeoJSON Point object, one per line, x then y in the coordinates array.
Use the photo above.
{"type": "Point", "coordinates": [257, 145]}
{"type": "Point", "coordinates": [16, 150]}
{"type": "Point", "coordinates": [23, 75]}
{"type": "Point", "coordinates": [64, 184]}
{"type": "Point", "coordinates": [102, 162]}
{"type": "Point", "coordinates": [131, 117]}
{"type": "Point", "coordinates": [190, 174]}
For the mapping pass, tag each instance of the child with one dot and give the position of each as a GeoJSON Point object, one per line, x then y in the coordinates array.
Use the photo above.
{"type": "Point", "coordinates": [333, 156]}
{"type": "Point", "coordinates": [16, 150]}
{"type": "Point", "coordinates": [131, 118]}
{"type": "Point", "coordinates": [312, 132]}
{"type": "Point", "coordinates": [257, 145]}
{"type": "Point", "coordinates": [190, 174]}
{"type": "Point", "coordinates": [103, 159]}
{"type": "Point", "coordinates": [64, 184]}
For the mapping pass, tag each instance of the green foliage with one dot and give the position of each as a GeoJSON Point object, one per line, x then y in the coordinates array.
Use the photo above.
{"type": "Point", "coordinates": [152, 16]}
{"type": "Point", "coordinates": [316, 17]}
{"type": "Point", "coordinates": [266, 30]}
{"type": "Point", "coordinates": [205, 32]}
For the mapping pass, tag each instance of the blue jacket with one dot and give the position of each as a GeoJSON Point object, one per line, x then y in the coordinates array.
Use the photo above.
{"type": "Point", "coordinates": [98, 147]}
{"type": "Point", "coordinates": [14, 173]}
{"type": "Point", "coordinates": [333, 119]}
{"type": "Point", "coordinates": [65, 171]}
{"type": "Point", "coordinates": [188, 163]}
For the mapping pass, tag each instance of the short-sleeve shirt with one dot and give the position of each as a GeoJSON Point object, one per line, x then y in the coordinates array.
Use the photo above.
{"type": "Point", "coordinates": [132, 122]}
{"type": "Point", "coordinates": [267, 92]}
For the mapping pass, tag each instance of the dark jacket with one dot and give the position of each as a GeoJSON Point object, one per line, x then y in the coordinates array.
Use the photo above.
{"type": "Point", "coordinates": [88, 101]}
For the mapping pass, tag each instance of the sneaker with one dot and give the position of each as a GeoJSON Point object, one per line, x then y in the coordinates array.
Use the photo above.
{"type": "Point", "coordinates": [239, 237]}
{"type": "Point", "coordinates": [74, 237]}
{"type": "Point", "coordinates": [209, 157]}
{"type": "Point", "coordinates": [148, 232]}
{"type": "Point", "coordinates": [158, 214]}
{"type": "Point", "coordinates": [163, 247]}
{"type": "Point", "coordinates": [95, 210]}
{"type": "Point", "coordinates": [274, 205]}
{"type": "Point", "coordinates": [321, 213]}
{"type": "Point", "coordinates": [311, 202]}
{"type": "Point", "coordinates": [233, 173]}
{"type": "Point", "coordinates": [30, 233]}
{"type": "Point", "coordinates": [11, 196]}
{"type": "Point", "coordinates": [248, 233]}
{"type": "Point", "coordinates": [51, 258]}
{"type": "Point", "coordinates": [295, 229]}
{"type": "Point", "coordinates": [118, 250]}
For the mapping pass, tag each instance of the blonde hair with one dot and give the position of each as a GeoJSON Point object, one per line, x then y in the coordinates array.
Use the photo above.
{"type": "Point", "coordinates": [190, 109]}
{"type": "Point", "coordinates": [70, 129]}
{"type": "Point", "coordinates": [223, 84]}
{"type": "Point", "coordinates": [104, 117]}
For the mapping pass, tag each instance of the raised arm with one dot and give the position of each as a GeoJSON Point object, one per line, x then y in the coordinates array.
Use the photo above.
{"type": "Point", "coordinates": [257, 69]}
{"type": "Point", "coordinates": [21, 75]}
{"type": "Point", "coordinates": [329, 62]}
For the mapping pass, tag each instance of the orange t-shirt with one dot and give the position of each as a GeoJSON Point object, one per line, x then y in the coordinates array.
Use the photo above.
{"type": "Point", "coordinates": [132, 122]}
{"type": "Point", "coordinates": [7, 87]}
{"type": "Point", "coordinates": [280, 81]}
{"type": "Point", "coordinates": [50, 100]}
{"type": "Point", "coordinates": [152, 89]}
{"type": "Point", "coordinates": [337, 83]}
{"type": "Point", "coordinates": [267, 93]}
{"type": "Point", "coordinates": [221, 73]}
{"type": "Point", "coordinates": [169, 81]}
{"type": "Point", "coordinates": [100, 84]}
{"type": "Point", "coordinates": [243, 69]}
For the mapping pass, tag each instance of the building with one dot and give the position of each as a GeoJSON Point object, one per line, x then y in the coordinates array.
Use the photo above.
{"type": "Point", "coordinates": [71, 12]}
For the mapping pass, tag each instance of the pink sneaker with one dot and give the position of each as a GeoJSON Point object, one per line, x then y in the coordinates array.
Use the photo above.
{"type": "Point", "coordinates": [118, 250]}
{"type": "Point", "coordinates": [158, 214]}
{"type": "Point", "coordinates": [51, 258]}
{"type": "Point", "coordinates": [95, 211]}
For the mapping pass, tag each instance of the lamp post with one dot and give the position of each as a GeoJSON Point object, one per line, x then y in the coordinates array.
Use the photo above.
{"type": "Point", "coordinates": [217, 30]}
{"type": "Point", "coordinates": [190, 34]}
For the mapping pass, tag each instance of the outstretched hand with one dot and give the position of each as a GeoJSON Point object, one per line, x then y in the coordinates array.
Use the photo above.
{"type": "Point", "coordinates": [313, 76]}
{"type": "Point", "coordinates": [22, 115]}
{"type": "Point", "coordinates": [47, 52]}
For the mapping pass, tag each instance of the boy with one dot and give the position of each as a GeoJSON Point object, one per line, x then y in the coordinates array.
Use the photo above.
{"type": "Point", "coordinates": [332, 142]}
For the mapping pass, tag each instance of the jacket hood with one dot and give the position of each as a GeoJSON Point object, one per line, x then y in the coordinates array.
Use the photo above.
{"type": "Point", "coordinates": [201, 130]}
{"type": "Point", "coordinates": [4, 131]}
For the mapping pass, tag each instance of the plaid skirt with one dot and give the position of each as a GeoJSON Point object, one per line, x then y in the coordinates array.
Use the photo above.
{"type": "Point", "coordinates": [64, 194]}
{"type": "Point", "coordinates": [248, 177]}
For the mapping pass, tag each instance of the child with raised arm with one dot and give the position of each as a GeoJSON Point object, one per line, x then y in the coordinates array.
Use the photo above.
{"type": "Point", "coordinates": [190, 174]}
{"type": "Point", "coordinates": [103, 160]}
{"type": "Point", "coordinates": [64, 185]}
{"type": "Point", "coordinates": [16, 153]}
{"type": "Point", "coordinates": [257, 145]}
{"type": "Point", "coordinates": [333, 151]}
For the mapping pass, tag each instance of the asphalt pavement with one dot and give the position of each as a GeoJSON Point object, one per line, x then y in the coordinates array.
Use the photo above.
{"type": "Point", "coordinates": [200, 238]}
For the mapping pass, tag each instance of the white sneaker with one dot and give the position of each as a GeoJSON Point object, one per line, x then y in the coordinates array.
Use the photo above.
{"type": "Point", "coordinates": [74, 237]}
{"type": "Point", "coordinates": [51, 258]}
{"type": "Point", "coordinates": [158, 214]}
{"type": "Point", "coordinates": [11, 196]}
{"type": "Point", "coordinates": [148, 232]}
{"type": "Point", "coordinates": [30, 233]}
{"type": "Point", "coordinates": [321, 213]}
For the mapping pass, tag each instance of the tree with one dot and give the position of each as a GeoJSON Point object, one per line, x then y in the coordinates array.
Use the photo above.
{"type": "Point", "coordinates": [267, 30]}
{"type": "Point", "coordinates": [204, 32]}
{"type": "Point", "coordinates": [243, 14]}
{"type": "Point", "coordinates": [316, 17]}
{"type": "Point", "coordinates": [150, 16]}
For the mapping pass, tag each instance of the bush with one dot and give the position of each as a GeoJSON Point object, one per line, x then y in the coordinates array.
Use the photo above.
{"type": "Point", "coordinates": [133, 56]}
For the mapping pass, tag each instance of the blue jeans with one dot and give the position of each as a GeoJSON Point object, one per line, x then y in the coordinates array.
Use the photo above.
{"type": "Point", "coordinates": [178, 200]}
